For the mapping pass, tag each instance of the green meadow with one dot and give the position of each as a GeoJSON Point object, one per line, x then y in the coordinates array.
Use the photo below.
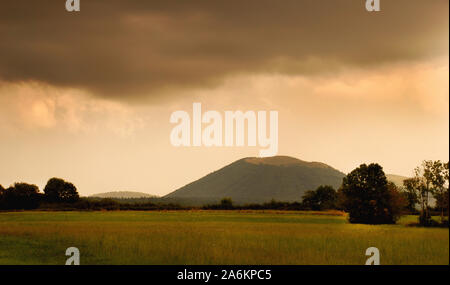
{"type": "Point", "coordinates": [213, 237]}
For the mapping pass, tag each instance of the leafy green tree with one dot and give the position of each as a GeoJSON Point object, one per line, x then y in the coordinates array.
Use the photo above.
{"type": "Point", "coordinates": [323, 198]}
{"type": "Point", "coordinates": [367, 197]}
{"type": "Point", "coordinates": [59, 191]}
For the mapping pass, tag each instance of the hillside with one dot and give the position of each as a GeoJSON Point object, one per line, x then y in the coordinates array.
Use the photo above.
{"type": "Point", "coordinates": [256, 180]}
{"type": "Point", "coordinates": [122, 195]}
{"type": "Point", "coordinates": [396, 179]}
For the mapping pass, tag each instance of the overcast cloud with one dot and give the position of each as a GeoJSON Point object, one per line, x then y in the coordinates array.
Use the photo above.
{"type": "Point", "coordinates": [133, 49]}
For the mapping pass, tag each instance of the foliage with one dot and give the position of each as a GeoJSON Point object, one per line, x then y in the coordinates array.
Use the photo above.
{"type": "Point", "coordinates": [429, 179]}
{"type": "Point", "coordinates": [2, 195]}
{"type": "Point", "coordinates": [367, 197]}
{"type": "Point", "coordinates": [226, 203]}
{"type": "Point", "coordinates": [323, 198]}
{"type": "Point", "coordinates": [410, 196]}
{"type": "Point", "coordinates": [59, 191]}
{"type": "Point", "coordinates": [397, 200]}
{"type": "Point", "coordinates": [20, 196]}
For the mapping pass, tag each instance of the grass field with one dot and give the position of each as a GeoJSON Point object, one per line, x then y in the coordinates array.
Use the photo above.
{"type": "Point", "coordinates": [213, 237]}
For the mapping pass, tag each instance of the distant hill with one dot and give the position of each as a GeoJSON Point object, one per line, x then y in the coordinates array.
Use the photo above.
{"type": "Point", "coordinates": [396, 179]}
{"type": "Point", "coordinates": [123, 195]}
{"type": "Point", "coordinates": [257, 180]}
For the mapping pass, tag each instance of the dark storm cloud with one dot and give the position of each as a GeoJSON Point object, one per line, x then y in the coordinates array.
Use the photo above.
{"type": "Point", "coordinates": [131, 48]}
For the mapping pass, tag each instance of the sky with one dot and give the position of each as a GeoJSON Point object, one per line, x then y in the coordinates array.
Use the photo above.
{"type": "Point", "coordinates": [87, 96]}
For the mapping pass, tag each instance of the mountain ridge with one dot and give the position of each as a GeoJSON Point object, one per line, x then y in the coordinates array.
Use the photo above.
{"type": "Point", "coordinates": [396, 179]}
{"type": "Point", "coordinates": [256, 180]}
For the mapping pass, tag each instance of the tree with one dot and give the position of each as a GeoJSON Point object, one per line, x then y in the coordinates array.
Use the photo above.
{"type": "Point", "coordinates": [323, 198]}
{"type": "Point", "coordinates": [368, 198]}
{"type": "Point", "coordinates": [410, 197]}
{"type": "Point", "coordinates": [434, 173]}
{"type": "Point", "coordinates": [21, 196]}
{"type": "Point", "coordinates": [410, 194]}
{"type": "Point", "coordinates": [418, 186]}
{"type": "Point", "coordinates": [226, 204]}
{"type": "Point", "coordinates": [309, 200]}
{"type": "Point", "coordinates": [397, 201]}
{"type": "Point", "coordinates": [2, 195]}
{"type": "Point", "coordinates": [59, 191]}
{"type": "Point", "coordinates": [446, 194]}
{"type": "Point", "coordinates": [442, 204]}
{"type": "Point", "coordinates": [440, 179]}
{"type": "Point", "coordinates": [429, 179]}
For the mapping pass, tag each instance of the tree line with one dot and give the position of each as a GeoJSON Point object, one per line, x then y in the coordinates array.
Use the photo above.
{"type": "Point", "coordinates": [365, 194]}
{"type": "Point", "coordinates": [369, 198]}
{"type": "Point", "coordinates": [24, 196]}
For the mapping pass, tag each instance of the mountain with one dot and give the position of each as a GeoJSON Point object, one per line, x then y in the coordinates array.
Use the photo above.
{"type": "Point", "coordinates": [257, 180]}
{"type": "Point", "coordinates": [123, 194]}
{"type": "Point", "coordinates": [397, 179]}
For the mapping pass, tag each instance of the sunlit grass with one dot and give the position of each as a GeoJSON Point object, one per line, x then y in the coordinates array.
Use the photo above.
{"type": "Point", "coordinates": [213, 237]}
